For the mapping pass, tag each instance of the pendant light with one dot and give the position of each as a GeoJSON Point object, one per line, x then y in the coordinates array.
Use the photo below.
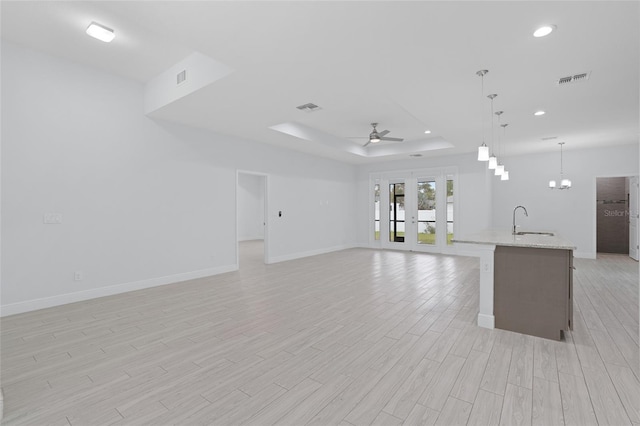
{"type": "Point", "coordinates": [483, 150]}
{"type": "Point", "coordinates": [493, 160]}
{"type": "Point", "coordinates": [505, 174]}
{"type": "Point", "coordinates": [564, 183]}
{"type": "Point", "coordinates": [499, 170]}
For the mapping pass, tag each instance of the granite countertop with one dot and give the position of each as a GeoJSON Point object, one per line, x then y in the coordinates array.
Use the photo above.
{"type": "Point", "coordinates": [501, 237]}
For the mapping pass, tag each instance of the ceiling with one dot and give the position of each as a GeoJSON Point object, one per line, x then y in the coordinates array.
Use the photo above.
{"type": "Point", "coordinates": [410, 66]}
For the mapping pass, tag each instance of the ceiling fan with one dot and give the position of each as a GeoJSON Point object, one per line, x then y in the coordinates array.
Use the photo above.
{"type": "Point", "coordinates": [375, 136]}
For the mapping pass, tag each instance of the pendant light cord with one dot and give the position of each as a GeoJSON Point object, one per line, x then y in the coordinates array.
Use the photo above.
{"type": "Point", "coordinates": [504, 138]}
{"type": "Point", "coordinates": [561, 172]}
{"type": "Point", "coordinates": [492, 135]}
{"type": "Point", "coordinates": [499, 139]}
{"type": "Point", "coordinates": [482, 99]}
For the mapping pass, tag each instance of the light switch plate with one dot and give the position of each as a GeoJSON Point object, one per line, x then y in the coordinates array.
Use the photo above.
{"type": "Point", "coordinates": [52, 218]}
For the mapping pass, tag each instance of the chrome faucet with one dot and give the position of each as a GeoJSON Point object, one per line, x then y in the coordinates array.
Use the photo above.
{"type": "Point", "coordinates": [514, 216]}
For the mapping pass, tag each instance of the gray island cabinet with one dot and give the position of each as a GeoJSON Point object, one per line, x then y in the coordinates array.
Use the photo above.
{"type": "Point", "coordinates": [526, 281]}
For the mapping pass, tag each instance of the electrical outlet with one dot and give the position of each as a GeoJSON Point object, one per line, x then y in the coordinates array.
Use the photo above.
{"type": "Point", "coordinates": [52, 218]}
{"type": "Point", "coordinates": [78, 276]}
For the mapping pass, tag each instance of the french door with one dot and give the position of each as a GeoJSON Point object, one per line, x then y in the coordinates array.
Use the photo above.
{"type": "Point", "coordinates": [414, 210]}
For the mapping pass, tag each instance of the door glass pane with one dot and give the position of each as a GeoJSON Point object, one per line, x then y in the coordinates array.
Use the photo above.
{"type": "Point", "coordinates": [449, 209]}
{"type": "Point", "coordinates": [396, 212]}
{"type": "Point", "coordinates": [426, 212]}
{"type": "Point", "coordinates": [376, 211]}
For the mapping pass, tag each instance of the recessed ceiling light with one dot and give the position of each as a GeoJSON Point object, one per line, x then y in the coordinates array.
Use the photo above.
{"type": "Point", "coordinates": [545, 30]}
{"type": "Point", "coordinates": [426, 132]}
{"type": "Point", "coordinates": [538, 113]}
{"type": "Point", "coordinates": [100, 32]}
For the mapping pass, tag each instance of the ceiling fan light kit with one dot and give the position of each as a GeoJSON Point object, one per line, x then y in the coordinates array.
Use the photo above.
{"type": "Point", "coordinates": [375, 136]}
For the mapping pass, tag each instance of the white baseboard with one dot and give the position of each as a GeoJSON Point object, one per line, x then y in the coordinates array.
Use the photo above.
{"type": "Point", "coordinates": [584, 254]}
{"type": "Point", "coordinates": [364, 245]}
{"type": "Point", "coordinates": [293, 256]}
{"type": "Point", "coordinates": [257, 237]}
{"type": "Point", "coordinates": [63, 299]}
{"type": "Point", "coordinates": [486, 321]}
{"type": "Point", "coordinates": [460, 251]}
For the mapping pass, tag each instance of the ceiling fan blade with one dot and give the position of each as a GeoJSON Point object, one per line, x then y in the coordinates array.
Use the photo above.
{"type": "Point", "coordinates": [392, 139]}
{"type": "Point", "coordinates": [368, 142]}
{"type": "Point", "coordinates": [382, 133]}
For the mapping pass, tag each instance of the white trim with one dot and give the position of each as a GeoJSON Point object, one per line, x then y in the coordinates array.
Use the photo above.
{"type": "Point", "coordinates": [460, 251]}
{"type": "Point", "coordinates": [365, 245]}
{"type": "Point", "coordinates": [300, 255]}
{"type": "Point", "coordinates": [585, 254]}
{"type": "Point", "coordinates": [251, 238]}
{"type": "Point", "coordinates": [63, 299]}
{"type": "Point", "coordinates": [265, 237]}
{"type": "Point", "coordinates": [485, 309]}
{"type": "Point", "coordinates": [410, 177]}
{"type": "Point", "coordinates": [486, 321]}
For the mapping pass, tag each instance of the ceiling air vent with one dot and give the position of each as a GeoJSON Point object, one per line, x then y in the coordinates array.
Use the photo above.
{"type": "Point", "coordinates": [550, 138]}
{"type": "Point", "coordinates": [181, 77]}
{"type": "Point", "coordinates": [309, 107]}
{"type": "Point", "coordinates": [576, 78]}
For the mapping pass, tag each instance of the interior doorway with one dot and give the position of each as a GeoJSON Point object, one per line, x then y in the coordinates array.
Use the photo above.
{"type": "Point", "coordinates": [251, 218]}
{"type": "Point", "coordinates": [616, 206]}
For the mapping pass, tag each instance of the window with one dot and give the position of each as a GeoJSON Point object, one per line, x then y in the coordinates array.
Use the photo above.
{"type": "Point", "coordinates": [449, 209]}
{"type": "Point", "coordinates": [396, 212]}
{"type": "Point", "coordinates": [426, 212]}
{"type": "Point", "coordinates": [376, 211]}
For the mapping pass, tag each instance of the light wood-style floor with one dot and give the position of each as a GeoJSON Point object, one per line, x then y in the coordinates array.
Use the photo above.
{"type": "Point", "coordinates": [347, 338]}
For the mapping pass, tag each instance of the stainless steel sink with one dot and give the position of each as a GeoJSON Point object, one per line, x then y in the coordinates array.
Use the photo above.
{"type": "Point", "coordinates": [549, 234]}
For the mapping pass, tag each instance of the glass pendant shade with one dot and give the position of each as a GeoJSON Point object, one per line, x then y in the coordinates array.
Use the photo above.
{"type": "Point", "coordinates": [483, 152]}
{"type": "Point", "coordinates": [505, 175]}
{"type": "Point", "coordinates": [493, 162]}
{"type": "Point", "coordinates": [564, 183]}
{"type": "Point", "coordinates": [499, 170]}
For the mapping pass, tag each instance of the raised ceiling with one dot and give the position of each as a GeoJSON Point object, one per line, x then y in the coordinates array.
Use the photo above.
{"type": "Point", "coordinates": [410, 66]}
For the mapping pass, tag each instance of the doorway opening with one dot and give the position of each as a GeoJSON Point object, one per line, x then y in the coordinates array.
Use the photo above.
{"type": "Point", "coordinates": [616, 215]}
{"type": "Point", "coordinates": [251, 219]}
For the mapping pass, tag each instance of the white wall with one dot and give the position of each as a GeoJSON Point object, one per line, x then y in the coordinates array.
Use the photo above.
{"type": "Point", "coordinates": [473, 189]}
{"type": "Point", "coordinates": [143, 202]}
{"type": "Point", "coordinates": [571, 213]}
{"type": "Point", "coordinates": [250, 207]}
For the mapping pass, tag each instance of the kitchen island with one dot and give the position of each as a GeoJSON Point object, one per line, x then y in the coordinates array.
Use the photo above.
{"type": "Point", "coordinates": [526, 281]}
